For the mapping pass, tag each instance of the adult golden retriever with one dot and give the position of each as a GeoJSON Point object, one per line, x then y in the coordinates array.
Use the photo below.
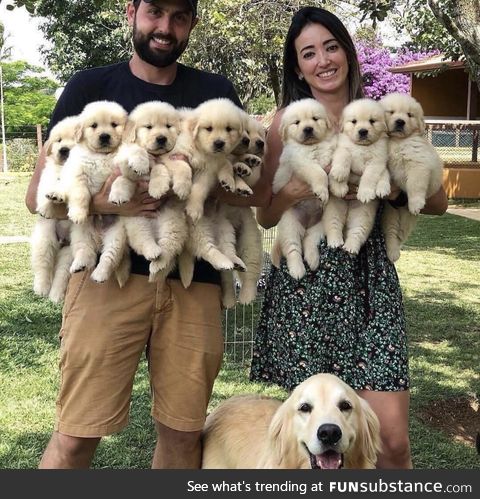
{"type": "Point", "coordinates": [324, 424]}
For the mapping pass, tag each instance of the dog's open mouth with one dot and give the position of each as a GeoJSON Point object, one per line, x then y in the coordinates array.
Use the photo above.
{"type": "Point", "coordinates": [328, 460]}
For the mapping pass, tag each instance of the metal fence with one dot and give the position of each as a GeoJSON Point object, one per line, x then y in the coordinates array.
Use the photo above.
{"type": "Point", "coordinates": [456, 141]}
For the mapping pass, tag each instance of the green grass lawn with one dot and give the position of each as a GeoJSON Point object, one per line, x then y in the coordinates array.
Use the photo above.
{"type": "Point", "coordinates": [440, 275]}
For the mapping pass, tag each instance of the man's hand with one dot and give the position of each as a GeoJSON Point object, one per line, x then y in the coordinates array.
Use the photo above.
{"type": "Point", "coordinates": [141, 204]}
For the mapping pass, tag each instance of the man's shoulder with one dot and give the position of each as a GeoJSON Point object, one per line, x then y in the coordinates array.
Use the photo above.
{"type": "Point", "coordinates": [94, 74]}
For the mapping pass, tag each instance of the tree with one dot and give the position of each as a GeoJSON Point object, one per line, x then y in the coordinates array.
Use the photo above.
{"type": "Point", "coordinates": [29, 97]}
{"type": "Point", "coordinates": [451, 26]}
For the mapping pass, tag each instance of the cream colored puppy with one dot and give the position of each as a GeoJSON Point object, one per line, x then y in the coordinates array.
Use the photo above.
{"type": "Point", "coordinates": [323, 424]}
{"type": "Point", "coordinates": [308, 145]}
{"type": "Point", "coordinates": [151, 133]}
{"type": "Point", "coordinates": [414, 166]}
{"type": "Point", "coordinates": [50, 235]}
{"type": "Point", "coordinates": [90, 163]}
{"type": "Point", "coordinates": [360, 158]}
{"type": "Point", "coordinates": [211, 133]}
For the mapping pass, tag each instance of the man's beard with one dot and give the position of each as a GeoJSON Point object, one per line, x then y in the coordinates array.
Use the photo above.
{"type": "Point", "coordinates": [158, 58]}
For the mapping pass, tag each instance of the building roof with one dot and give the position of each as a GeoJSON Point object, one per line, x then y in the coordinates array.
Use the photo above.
{"type": "Point", "coordinates": [427, 64]}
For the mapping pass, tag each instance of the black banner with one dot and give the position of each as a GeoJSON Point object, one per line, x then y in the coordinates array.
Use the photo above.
{"type": "Point", "coordinates": [224, 484]}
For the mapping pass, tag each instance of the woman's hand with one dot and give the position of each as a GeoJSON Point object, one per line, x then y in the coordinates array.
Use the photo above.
{"type": "Point", "coordinates": [296, 190]}
{"type": "Point", "coordinates": [141, 204]}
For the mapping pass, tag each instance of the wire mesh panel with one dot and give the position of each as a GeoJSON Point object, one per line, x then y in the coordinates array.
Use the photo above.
{"type": "Point", "coordinates": [456, 141]}
{"type": "Point", "coordinates": [239, 323]}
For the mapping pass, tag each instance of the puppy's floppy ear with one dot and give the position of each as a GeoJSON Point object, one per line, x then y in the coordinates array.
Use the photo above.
{"type": "Point", "coordinates": [420, 118]}
{"type": "Point", "coordinates": [283, 131]}
{"type": "Point", "coordinates": [48, 146]}
{"type": "Point", "coordinates": [130, 132]}
{"type": "Point", "coordinates": [78, 135]}
{"type": "Point", "coordinates": [367, 443]}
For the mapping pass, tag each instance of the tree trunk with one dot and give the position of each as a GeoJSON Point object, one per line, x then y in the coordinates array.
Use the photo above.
{"type": "Point", "coordinates": [274, 80]}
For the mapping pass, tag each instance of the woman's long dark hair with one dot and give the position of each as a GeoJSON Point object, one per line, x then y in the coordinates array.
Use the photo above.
{"type": "Point", "coordinates": [294, 89]}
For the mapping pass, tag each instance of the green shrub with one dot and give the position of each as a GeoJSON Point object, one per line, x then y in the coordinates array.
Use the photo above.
{"type": "Point", "coordinates": [21, 155]}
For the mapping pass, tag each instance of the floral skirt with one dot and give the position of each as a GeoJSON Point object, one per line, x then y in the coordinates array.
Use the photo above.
{"type": "Point", "coordinates": [345, 318]}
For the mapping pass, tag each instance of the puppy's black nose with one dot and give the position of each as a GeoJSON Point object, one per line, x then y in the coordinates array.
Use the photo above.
{"type": "Point", "coordinates": [161, 140]}
{"type": "Point", "coordinates": [329, 434]}
{"type": "Point", "coordinates": [399, 123]}
{"type": "Point", "coordinates": [308, 130]}
{"type": "Point", "coordinates": [363, 133]}
{"type": "Point", "coordinates": [260, 144]}
{"type": "Point", "coordinates": [104, 138]}
{"type": "Point", "coordinates": [246, 141]}
{"type": "Point", "coordinates": [64, 152]}
{"type": "Point", "coordinates": [219, 144]}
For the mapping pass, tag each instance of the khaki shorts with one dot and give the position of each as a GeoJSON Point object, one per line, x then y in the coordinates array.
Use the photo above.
{"type": "Point", "coordinates": [104, 332]}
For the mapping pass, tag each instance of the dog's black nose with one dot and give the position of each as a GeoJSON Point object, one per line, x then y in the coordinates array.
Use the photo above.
{"type": "Point", "coordinates": [104, 138]}
{"type": "Point", "coordinates": [363, 133]}
{"type": "Point", "coordinates": [329, 434]}
{"type": "Point", "coordinates": [308, 130]}
{"type": "Point", "coordinates": [399, 123]}
{"type": "Point", "coordinates": [260, 144]}
{"type": "Point", "coordinates": [64, 152]}
{"type": "Point", "coordinates": [161, 140]}
{"type": "Point", "coordinates": [219, 144]}
{"type": "Point", "coordinates": [246, 141]}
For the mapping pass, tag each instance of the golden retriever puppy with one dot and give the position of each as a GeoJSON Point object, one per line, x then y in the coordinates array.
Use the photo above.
{"type": "Point", "coordinates": [309, 142]}
{"type": "Point", "coordinates": [323, 424]}
{"type": "Point", "coordinates": [90, 163]}
{"type": "Point", "coordinates": [360, 158]}
{"type": "Point", "coordinates": [211, 133]}
{"type": "Point", "coordinates": [414, 166]}
{"type": "Point", "coordinates": [49, 235]}
{"type": "Point", "coordinates": [240, 236]}
{"type": "Point", "coordinates": [247, 157]}
{"type": "Point", "coordinates": [151, 133]}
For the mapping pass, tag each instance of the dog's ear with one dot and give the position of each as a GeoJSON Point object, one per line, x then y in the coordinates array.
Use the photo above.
{"type": "Point", "coordinates": [283, 447]}
{"type": "Point", "coordinates": [48, 146]}
{"type": "Point", "coordinates": [78, 135]}
{"type": "Point", "coordinates": [420, 118]}
{"type": "Point", "coordinates": [367, 442]}
{"type": "Point", "coordinates": [130, 132]}
{"type": "Point", "coordinates": [283, 131]}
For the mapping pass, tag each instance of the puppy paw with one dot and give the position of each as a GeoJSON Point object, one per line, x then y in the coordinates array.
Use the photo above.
{"type": "Point", "coordinates": [56, 295]}
{"type": "Point", "coordinates": [252, 161]}
{"type": "Point", "coordinates": [242, 170]}
{"type": "Point", "coordinates": [312, 258]}
{"type": "Point", "coordinates": [118, 197]}
{"type": "Point", "coordinates": [393, 254]}
{"type": "Point", "coordinates": [321, 193]}
{"type": "Point", "coordinates": [351, 247]}
{"type": "Point", "coordinates": [41, 287]}
{"type": "Point", "coordinates": [238, 264]}
{"type": "Point", "coordinates": [383, 189]}
{"type": "Point", "coordinates": [152, 252]}
{"type": "Point", "coordinates": [139, 165]}
{"type": "Point", "coordinates": [366, 195]}
{"type": "Point", "coordinates": [99, 275]}
{"type": "Point", "coordinates": [194, 213]}
{"type": "Point", "coordinates": [334, 242]}
{"type": "Point", "coordinates": [247, 294]}
{"type": "Point", "coordinates": [182, 189]}
{"type": "Point", "coordinates": [158, 188]}
{"type": "Point", "coordinates": [415, 205]}
{"type": "Point", "coordinates": [338, 189]}
{"type": "Point", "coordinates": [77, 215]}
{"type": "Point", "coordinates": [83, 260]}
{"type": "Point", "coordinates": [296, 269]}
{"type": "Point", "coordinates": [244, 191]}
{"type": "Point", "coordinates": [228, 184]}
{"type": "Point", "coordinates": [55, 197]}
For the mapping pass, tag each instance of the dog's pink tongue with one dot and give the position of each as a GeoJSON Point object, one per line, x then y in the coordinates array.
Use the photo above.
{"type": "Point", "coordinates": [329, 460]}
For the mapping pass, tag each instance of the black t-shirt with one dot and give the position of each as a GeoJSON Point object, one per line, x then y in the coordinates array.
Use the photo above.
{"type": "Point", "coordinates": [116, 83]}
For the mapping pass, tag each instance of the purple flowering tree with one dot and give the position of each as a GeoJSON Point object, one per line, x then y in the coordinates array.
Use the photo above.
{"type": "Point", "coordinates": [375, 61]}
